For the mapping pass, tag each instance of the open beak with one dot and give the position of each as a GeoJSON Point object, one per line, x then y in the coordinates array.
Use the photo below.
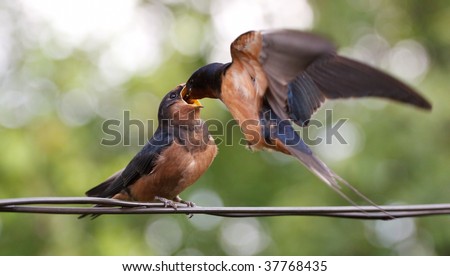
{"type": "Point", "coordinates": [185, 96]}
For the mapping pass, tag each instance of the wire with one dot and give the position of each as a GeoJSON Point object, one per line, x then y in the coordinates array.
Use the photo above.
{"type": "Point", "coordinates": [52, 205]}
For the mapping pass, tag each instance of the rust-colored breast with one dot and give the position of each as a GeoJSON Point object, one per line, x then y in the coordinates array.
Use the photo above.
{"type": "Point", "coordinates": [176, 169]}
{"type": "Point", "coordinates": [244, 86]}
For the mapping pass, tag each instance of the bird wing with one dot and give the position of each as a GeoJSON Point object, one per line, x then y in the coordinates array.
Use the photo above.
{"type": "Point", "coordinates": [141, 164]}
{"type": "Point", "coordinates": [303, 69]}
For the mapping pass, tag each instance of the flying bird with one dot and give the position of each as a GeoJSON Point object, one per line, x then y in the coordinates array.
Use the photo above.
{"type": "Point", "coordinates": [177, 154]}
{"type": "Point", "coordinates": [282, 76]}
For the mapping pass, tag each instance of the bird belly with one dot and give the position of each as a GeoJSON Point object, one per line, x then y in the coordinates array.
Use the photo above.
{"type": "Point", "coordinates": [242, 97]}
{"type": "Point", "coordinates": [175, 170]}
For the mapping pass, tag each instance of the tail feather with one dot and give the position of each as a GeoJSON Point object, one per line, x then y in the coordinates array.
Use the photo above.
{"type": "Point", "coordinates": [283, 131]}
{"type": "Point", "coordinates": [320, 169]}
{"type": "Point", "coordinates": [98, 190]}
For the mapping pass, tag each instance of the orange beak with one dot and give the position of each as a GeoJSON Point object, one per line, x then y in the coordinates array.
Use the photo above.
{"type": "Point", "coordinates": [185, 96]}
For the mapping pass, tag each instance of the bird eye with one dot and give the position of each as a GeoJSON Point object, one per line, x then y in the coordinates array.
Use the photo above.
{"type": "Point", "coordinates": [173, 95]}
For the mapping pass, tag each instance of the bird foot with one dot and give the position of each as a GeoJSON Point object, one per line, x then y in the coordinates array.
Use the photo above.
{"type": "Point", "coordinates": [167, 202]}
{"type": "Point", "coordinates": [188, 203]}
{"type": "Point", "coordinates": [249, 146]}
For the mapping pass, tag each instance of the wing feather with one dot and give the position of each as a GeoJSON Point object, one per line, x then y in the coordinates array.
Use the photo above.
{"type": "Point", "coordinates": [141, 164]}
{"type": "Point", "coordinates": [303, 69]}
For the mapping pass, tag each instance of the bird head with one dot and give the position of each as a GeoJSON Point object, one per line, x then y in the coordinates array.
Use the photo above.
{"type": "Point", "coordinates": [205, 82]}
{"type": "Point", "coordinates": [173, 107]}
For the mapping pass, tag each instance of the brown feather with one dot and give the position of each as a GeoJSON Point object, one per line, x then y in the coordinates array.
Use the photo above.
{"type": "Point", "coordinates": [175, 170]}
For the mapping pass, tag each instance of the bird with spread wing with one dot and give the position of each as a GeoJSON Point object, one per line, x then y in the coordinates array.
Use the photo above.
{"type": "Point", "coordinates": [282, 76]}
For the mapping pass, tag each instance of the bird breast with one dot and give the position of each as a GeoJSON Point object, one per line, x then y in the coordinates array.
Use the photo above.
{"type": "Point", "coordinates": [243, 96]}
{"type": "Point", "coordinates": [176, 169]}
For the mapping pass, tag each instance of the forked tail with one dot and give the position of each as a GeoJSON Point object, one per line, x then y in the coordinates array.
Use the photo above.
{"type": "Point", "coordinates": [282, 130]}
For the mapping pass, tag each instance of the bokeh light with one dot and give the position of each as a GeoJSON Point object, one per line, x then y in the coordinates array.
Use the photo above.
{"type": "Point", "coordinates": [206, 198]}
{"type": "Point", "coordinates": [389, 233]}
{"type": "Point", "coordinates": [341, 144]}
{"type": "Point", "coordinates": [243, 237]}
{"type": "Point", "coordinates": [164, 235]}
{"type": "Point", "coordinates": [231, 17]}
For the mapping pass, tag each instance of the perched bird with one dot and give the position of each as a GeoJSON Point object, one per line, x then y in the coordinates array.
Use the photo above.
{"type": "Point", "coordinates": [177, 154]}
{"type": "Point", "coordinates": [283, 76]}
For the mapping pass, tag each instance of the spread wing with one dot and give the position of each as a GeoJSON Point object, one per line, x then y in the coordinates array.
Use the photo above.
{"type": "Point", "coordinates": [141, 164]}
{"type": "Point", "coordinates": [303, 69]}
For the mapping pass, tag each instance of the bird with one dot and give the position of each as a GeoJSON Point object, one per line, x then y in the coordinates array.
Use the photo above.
{"type": "Point", "coordinates": [179, 152]}
{"type": "Point", "coordinates": [280, 77]}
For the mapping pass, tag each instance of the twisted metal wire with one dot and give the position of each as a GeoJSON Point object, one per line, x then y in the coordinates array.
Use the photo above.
{"type": "Point", "coordinates": [55, 205]}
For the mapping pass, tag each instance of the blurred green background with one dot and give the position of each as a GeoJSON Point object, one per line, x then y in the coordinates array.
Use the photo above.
{"type": "Point", "coordinates": [67, 66]}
